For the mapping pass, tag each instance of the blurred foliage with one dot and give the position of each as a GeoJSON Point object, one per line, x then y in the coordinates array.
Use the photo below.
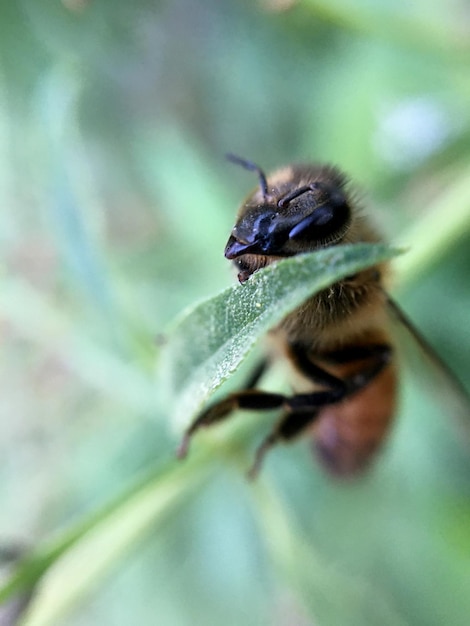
{"type": "Point", "coordinates": [116, 205]}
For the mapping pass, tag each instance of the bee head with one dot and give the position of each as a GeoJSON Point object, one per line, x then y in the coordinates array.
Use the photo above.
{"type": "Point", "coordinates": [295, 210]}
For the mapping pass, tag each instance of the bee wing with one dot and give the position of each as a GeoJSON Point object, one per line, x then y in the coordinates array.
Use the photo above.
{"type": "Point", "coordinates": [440, 378]}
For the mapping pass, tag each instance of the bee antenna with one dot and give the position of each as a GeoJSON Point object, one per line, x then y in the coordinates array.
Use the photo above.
{"type": "Point", "coordinates": [249, 165]}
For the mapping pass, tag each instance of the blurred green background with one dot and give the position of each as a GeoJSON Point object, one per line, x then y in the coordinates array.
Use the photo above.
{"type": "Point", "coordinates": [116, 203]}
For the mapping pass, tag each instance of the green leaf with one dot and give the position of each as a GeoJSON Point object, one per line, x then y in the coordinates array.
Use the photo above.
{"type": "Point", "coordinates": [208, 344]}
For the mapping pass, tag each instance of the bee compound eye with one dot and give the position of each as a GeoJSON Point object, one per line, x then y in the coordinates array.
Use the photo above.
{"type": "Point", "coordinates": [313, 224]}
{"type": "Point", "coordinates": [326, 222]}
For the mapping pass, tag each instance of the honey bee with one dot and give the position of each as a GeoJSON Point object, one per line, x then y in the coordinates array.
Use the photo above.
{"type": "Point", "coordinates": [338, 343]}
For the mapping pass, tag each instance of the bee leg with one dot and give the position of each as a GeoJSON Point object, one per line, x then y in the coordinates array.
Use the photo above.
{"type": "Point", "coordinates": [253, 399]}
{"type": "Point", "coordinates": [379, 354]}
{"type": "Point", "coordinates": [303, 410]}
{"type": "Point", "coordinates": [256, 374]}
{"type": "Point", "coordinates": [221, 410]}
{"type": "Point", "coordinates": [290, 425]}
{"type": "Point", "coordinates": [306, 408]}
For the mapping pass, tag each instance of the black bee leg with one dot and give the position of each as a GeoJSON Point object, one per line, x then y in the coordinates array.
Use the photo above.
{"type": "Point", "coordinates": [302, 409]}
{"type": "Point", "coordinates": [253, 399]}
{"type": "Point", "coordinates": [256, 374]}
{"type": "Point", "coordinates": [378, 354]}
{"type": "Point", "coordinates": [305, 408]}
{"type": "Point", "coordinates": [288, 427]}
{"type": "Point", "coordinates": [221, 410]}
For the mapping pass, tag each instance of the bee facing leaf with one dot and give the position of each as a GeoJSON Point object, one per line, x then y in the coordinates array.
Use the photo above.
{"type": "Point", "coordinates": [334, 330]}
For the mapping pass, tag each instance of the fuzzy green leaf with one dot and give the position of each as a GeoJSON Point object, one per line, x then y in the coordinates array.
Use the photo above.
{"type": "Point", "coordinates": [211, 340]}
